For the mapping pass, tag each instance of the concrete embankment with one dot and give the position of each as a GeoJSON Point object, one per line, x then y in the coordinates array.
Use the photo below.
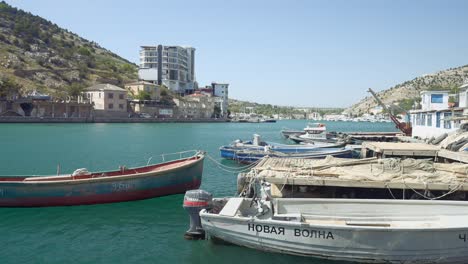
{"type": "Point", "coordinates": [107, 120]}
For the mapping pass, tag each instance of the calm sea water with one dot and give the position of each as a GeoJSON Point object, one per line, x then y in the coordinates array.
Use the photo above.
{"type": "Point", "coordinates": [148, 231]}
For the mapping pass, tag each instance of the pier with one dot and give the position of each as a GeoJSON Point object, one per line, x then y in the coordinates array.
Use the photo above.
{"type": "Point", "coordinates": [410, 150]}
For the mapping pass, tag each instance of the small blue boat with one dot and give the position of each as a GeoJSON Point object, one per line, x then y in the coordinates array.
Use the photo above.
{"type": "Point", "coordinates": [249, 156]}
{"type": "Point", "coordinates": [257, 144]}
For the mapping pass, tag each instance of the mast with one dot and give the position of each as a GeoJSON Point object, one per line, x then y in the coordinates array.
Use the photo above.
{"type": "Point", "coordinates": [402, 126]}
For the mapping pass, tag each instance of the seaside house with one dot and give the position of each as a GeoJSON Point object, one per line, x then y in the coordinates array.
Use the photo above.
{"type": "Point", "coordinates": [221, 91]}
{"type": "Point", "coordinates": [436, 115]}
{"type": "Point", "coordinates": [109, 100]}
{"type": "Point", "coordinates": [195, 106]}
{"type": "Point", "coordinates": [314, 116]}
{"type": "Point", "coordinates": [152, 89]}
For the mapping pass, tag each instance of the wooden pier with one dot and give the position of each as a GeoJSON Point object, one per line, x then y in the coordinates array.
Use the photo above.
{"type": "Point", "coordinates": [410, 150]}
{"type": "Point", "coordinates": [385, 149]}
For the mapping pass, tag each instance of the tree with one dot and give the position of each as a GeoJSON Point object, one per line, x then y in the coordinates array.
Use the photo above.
{"type": "Point", "coordinates": [143, 95]}
{"type": "Point", "coordinates": [9, 88]}
{"type": "Point", "coordinates": [75, 90]}
{"type": "Point", "coordinates": [217, 111]}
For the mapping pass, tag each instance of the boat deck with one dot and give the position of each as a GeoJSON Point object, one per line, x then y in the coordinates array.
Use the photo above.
{"type": "Point", "coordinates": [362, 173]}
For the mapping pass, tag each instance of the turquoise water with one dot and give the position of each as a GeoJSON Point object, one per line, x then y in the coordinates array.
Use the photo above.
{"type": "Point", "coordinates": [148, 231]}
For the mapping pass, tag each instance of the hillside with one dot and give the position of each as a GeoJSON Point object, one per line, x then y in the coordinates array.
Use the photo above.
{"type": "Point", "coordinates": [406, 93]}
{"type": "Point", "coordinates": [36, 54]}
{"type": "Point", "coordinates": [237, 106]}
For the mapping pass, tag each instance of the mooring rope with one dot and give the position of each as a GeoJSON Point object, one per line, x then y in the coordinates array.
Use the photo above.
{"type": "Point", "coordinates": [231, 169]}
{"type": "Point", "coordinates": [438, 197]}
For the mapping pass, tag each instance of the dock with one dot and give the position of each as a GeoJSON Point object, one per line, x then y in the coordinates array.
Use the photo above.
{"type": "Point", "coordinates": [370, 176]}
{"type": "Point", "coordinates": [375, 136]}
{"type": "Point", "coordinates": [384, 149]}
{"type": "Point", "coordinates": [410, 150]}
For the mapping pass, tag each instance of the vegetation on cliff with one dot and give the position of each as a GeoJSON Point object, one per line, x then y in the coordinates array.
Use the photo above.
{"type": "Point", "coordinates": [236, 106]}
{"type": "Point", "coordinates": [36, 54]}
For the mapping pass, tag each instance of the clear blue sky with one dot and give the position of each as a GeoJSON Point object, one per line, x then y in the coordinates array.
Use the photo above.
{"type": "Point", "coordinates": [302, 53]}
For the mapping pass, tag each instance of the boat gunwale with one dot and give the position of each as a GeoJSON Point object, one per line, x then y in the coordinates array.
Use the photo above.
{"type": "Point", "coordinates": [197, 158]}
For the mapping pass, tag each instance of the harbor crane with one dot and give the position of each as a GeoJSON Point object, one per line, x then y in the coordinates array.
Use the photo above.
{"type": "Point", "coordinates": [404, 127]}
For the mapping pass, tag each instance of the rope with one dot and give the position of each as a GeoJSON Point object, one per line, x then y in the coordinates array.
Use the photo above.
{"type": "Point", "coordinates": [390, 191]}
{"type": "Point", "coordinates": [231, 169]}
{"type": "Point", "coordinates": [438, 197]}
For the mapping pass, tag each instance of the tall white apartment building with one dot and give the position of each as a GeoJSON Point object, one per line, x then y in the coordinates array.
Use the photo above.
{"type": "Point", "coordinates": [220, 90]}
{"type": "Point", "coordinates": [172, 66]}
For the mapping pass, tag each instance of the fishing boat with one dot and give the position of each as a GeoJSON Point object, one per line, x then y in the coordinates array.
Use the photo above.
{"type": "Point", "coordinates": [250, 156]}
{"type": "Point", "coordinates": [257, 144]}
{"type": "Point", "coordinates": [315, 128]}
{"type": "Point", "coordinates": [83, 187]}
{"type": "Point", "coordinates": [357, 230]}
{"type": "Point", "coordinates": [313, 138]}
{"type": "Point", "coordinates": [286, 132]}
{"type": "Point", "coordinates": [311, 128]}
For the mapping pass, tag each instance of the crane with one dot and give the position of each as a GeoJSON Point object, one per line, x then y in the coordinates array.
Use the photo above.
{"type": "Point", "coordinates": [403, 126]}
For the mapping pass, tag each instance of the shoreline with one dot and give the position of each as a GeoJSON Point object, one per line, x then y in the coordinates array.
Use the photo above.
{"type": "Point", "coordinates": [108, 120]}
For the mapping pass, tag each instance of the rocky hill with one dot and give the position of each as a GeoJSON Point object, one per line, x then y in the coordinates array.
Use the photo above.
{"type": "Point", "coordinates": [406, 93]}
{"type": "Point", "coordinates": [36, 54]}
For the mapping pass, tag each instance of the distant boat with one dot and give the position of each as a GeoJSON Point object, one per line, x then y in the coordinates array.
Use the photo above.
{"type": "Point", "coordinates": [316, 129]}
{"type": "Point", "coordinates": [268, 121]}
{"type": "Point", "coordinates": [359, 230]}
{"type": "Point", "coordinates": [83, 187]}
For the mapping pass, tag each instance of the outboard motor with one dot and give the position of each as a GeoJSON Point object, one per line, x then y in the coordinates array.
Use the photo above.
{"type": "Point", "coordinates": [194, 202]}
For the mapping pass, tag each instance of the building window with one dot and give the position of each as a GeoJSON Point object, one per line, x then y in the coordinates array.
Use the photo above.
{"type": "Point", "coordinates": [418, 119]}
{"type": "Point", "coordinates": [121, 96]}
{"type": "Point", "coordinates": [447, 121]}
{"type": "Point", "coordinates": [110, 96]}
{"type": "Point", "coordinates": [429, 119]}
{"type": "Point", "coordinates": [99, 95]}
{"type": "Point", "coordinates": [423, 119]}
{"type": "Point", "coordinates": [111, 106]}
{"type": "Point", "coordinates": [121, 106]}
{"type": "Point", "coordinates": [437, 98]}
{"type": "Point", "coordinates": [438, 119]}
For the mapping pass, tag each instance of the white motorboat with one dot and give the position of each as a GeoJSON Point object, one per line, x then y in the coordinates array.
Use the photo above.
{"type": "Point", "coordinates": [364, 231]}
{"type": "Point", "coordinates": [315, 128]}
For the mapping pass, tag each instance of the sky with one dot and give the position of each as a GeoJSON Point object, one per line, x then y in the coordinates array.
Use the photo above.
{"type": "Point", "coordinates": [291, 53]}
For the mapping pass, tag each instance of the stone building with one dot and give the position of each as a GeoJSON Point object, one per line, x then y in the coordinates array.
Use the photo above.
{"type": "Point", "coordinates": [152, 89]}
{"type": "Point", "coordinates": [108, 100]}
{"type": "Point", "coordinates": [194, 106]}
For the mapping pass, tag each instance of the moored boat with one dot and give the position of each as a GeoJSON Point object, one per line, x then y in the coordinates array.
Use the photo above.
{"type": "Point", "coordinates": [286, 132]}
{"type": "Point", "coordinates": [312, 138]}
{"type": "Point", "coordinates": [83, 187]}
{"type": "Point", "coordinates": [257, 144]}
{"type": "Point", "coordinates": [358, 230]}
{"type": "Point", "coordinates": [249, 156]}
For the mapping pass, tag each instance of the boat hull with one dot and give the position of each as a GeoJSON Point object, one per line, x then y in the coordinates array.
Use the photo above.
{"type": "Point", "coordinates": [229, 152]}
{"type": "Point", "coordinates": [359, 244]}
{"type": "Point", "coordinates": [249, 157]}
{"type": "Point", "coordinates": [102, 190]}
